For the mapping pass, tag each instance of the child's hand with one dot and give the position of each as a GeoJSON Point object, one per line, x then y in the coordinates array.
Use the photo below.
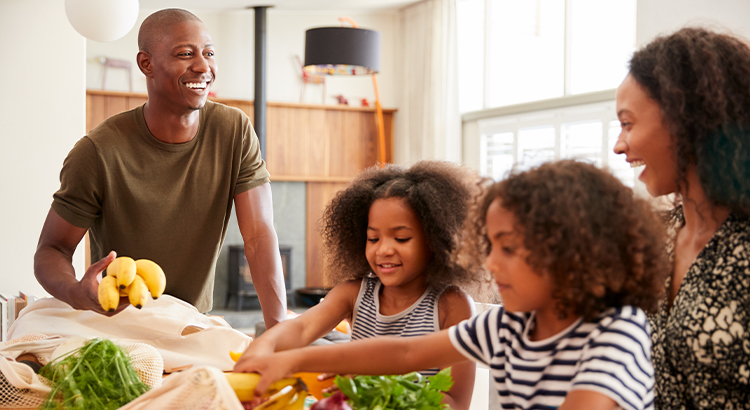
{"type": "Point", "coordinates": [326, 376]}
{"type": "Point", "coordinates": [256, 349]}
{"type": "Point", "coordinates": [333, 388]}
{"type": "Point", "coordinates": [271, 367]}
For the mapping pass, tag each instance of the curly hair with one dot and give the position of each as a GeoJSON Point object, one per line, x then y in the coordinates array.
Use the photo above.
{"type": "Point", "coordinates": [701, 81]}
{"type": "Point", "coordinates": [602, 246]}
{"type": "Point", "coordinates": [437, 192]}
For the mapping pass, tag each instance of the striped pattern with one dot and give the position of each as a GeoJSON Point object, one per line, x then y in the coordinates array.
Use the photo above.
{"type": "Point", "coordinates": [419, 319]}
{"type": "Point", "coordinates": [610, 355]}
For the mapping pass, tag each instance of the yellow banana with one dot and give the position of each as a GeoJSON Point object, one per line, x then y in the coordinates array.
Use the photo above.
{"type": "Point", "coordinates": [278, 400]}
{"type": "Point", "coordinates": [285, 398]}
{"type": "Point", "coordinates": [123, 268]}
{"type": "Point", "coordinates": [137, 292]}
{"type": "Point", "coordinates": [298, 402]}
{"type": "Point", "coordinates": [152, 274]}
{"type": "Point", "coordinates": [109, 296]}
{"type": "Point", "coordinates": [243, 384]}
{"type": "Point", "coordinates": [280, 384]}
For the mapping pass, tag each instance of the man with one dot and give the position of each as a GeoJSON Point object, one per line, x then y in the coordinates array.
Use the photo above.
{"type": "Point", "coordinates": [158, 182]}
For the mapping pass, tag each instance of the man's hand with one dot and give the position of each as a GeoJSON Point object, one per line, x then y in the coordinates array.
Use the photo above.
{"type": "Point", "coordinates": [53, 266]}
{"type": "Point", "coordinates": [88, 289]}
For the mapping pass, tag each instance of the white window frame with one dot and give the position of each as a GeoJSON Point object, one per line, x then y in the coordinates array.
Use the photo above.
{"type": "Point", "coordinates": [598, 106]}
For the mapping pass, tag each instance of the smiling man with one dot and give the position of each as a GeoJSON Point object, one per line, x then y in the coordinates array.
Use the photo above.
{"type": "Point", "coordinates": [159, 182]}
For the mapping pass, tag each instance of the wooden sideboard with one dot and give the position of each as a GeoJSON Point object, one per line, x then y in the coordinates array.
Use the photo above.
{"type": "Point", "coordinates": [322, 145]}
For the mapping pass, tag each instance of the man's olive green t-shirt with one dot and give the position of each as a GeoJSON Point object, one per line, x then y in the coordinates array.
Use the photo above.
{"type": "Point", "coordinates": [170, 203]}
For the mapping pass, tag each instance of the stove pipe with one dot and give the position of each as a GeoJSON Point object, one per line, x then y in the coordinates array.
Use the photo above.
{"type": "Point", "coordinates": [260, 77]}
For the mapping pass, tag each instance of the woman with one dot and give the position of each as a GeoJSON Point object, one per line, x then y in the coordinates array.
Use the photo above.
{"type": "Point", "coordinates": [685, 115]}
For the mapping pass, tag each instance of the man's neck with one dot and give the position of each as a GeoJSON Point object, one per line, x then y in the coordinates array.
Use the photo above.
{"type": "Point", "coordinates": [169, 126]}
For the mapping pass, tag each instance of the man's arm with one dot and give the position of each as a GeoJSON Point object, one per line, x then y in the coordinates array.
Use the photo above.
{"type": "Point", "coordinates": [53, 266]}
{"type": "Point", "coordinates": [255, 217]}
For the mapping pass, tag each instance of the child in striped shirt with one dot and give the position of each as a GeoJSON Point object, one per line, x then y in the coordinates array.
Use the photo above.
{"type": "Point", "coordinates": [389, 237]}
{"type": "Point", "coordinates": [575, 258]}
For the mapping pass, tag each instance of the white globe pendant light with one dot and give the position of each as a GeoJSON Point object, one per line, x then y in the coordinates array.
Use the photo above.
{"type": "Point", "coordinates": [102, 20]}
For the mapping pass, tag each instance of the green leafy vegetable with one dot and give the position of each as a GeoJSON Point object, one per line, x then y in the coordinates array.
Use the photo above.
{"type": "Point", "coordinates": [410, 391]}
{"type": "Point", "coordinates": [96, 376]}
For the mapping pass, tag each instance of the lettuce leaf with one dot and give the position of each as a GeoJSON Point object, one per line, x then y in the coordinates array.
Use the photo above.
{"type": "Point", "coordinates": [410, 391]}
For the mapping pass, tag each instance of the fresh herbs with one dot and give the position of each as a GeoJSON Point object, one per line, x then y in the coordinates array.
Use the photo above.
{"type": "Point", "coordinates": [96, 376]}
{"type": "Point", "coordinates": [410, 391]}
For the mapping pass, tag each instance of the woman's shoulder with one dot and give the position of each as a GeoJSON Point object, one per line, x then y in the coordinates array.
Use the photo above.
{"type": "Point", "coordinates": [730, 246]}
{"type": "Point", "coordinates": [738, 232]}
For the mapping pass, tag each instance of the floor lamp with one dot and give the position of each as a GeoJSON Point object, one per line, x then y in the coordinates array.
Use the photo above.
{"type": "Point", "coordinates": [347, 51]}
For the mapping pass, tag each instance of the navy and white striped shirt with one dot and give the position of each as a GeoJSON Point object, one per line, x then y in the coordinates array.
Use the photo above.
{"type": "Point", "coordinates": [418, 319]}
{"type": "Point", "coordinates": [610, 355]}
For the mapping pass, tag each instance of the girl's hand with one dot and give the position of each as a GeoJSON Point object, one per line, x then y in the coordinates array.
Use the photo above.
{"type": "Point", "coordinates": [271, 367]}
{"type": "Point", "coordinates": [333, 388]}
{"type": "Point", "coordinates": [257, 348]}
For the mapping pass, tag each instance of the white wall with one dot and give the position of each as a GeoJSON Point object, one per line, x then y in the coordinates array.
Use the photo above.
{"type": "Point", "coordinates": [233, 34]}
{"type": "Point", "coordinates": [666, 16]}
{"type": "Point", "coordinates": [43, 115]}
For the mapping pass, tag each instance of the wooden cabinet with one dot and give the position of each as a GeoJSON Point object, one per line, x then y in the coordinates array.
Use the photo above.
{"type": "Point", "coordinates": [321, 143]}
{"type": "Point", "coordinates": [324, 146]}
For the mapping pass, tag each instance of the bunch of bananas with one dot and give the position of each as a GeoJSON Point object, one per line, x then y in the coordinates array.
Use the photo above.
{"type": "Point", "coordinates": [134, 279]}
{"type": "Point", "coordinates": [284, 394]}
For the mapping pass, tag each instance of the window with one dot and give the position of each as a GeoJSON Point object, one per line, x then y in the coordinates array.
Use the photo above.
{"type": "Point", "coordinates": [511, 51]}
{"type": "Point", "coordinates": [582, 140]}
{"type": "Point", "coordinates": [584, 132]}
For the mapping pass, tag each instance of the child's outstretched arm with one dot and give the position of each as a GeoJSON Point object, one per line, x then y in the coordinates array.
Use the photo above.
{"type": "Point", "coordinates": [315, 323]}
{"type": "Point", "coordinates": [455, 306]}
{"type": "Point", "coordinates": [380, 355]}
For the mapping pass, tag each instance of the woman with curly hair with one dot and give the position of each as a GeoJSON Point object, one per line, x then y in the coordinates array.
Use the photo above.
{"type": "Point", "coordinates": [576, 259]}
{"type": "Point", "coordinates": [389, 237]}
{"type": "Point", "coordinates": [685, 115]}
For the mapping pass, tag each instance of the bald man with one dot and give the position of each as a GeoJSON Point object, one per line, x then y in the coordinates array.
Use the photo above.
{"type": "Point", "coordinates": [159, 182]}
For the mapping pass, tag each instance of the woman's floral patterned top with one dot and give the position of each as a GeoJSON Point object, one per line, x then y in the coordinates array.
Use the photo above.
{"type": "Point", "coordinates": [701, 345]}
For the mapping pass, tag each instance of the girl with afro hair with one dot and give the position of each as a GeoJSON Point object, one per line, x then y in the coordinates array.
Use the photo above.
{"type": "Point", "coordinates": [577, 259]}
{"type": "Point", "coordinates": [389, 238]}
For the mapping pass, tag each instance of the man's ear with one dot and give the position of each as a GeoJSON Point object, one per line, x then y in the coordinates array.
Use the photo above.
{"type": "Point", "coordinates": [144, 63]}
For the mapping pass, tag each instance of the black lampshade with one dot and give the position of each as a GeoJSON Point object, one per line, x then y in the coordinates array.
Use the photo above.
{"type": "Point", "coordinates": [342, 50]}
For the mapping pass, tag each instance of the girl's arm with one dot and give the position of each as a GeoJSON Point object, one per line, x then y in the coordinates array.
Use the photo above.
{"type": "Point", "coordinates": [379, 355]}
{"type": "Point", "coordinates": [315, 323]}
{"type": "Point", "coordinates": [455, 306]}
